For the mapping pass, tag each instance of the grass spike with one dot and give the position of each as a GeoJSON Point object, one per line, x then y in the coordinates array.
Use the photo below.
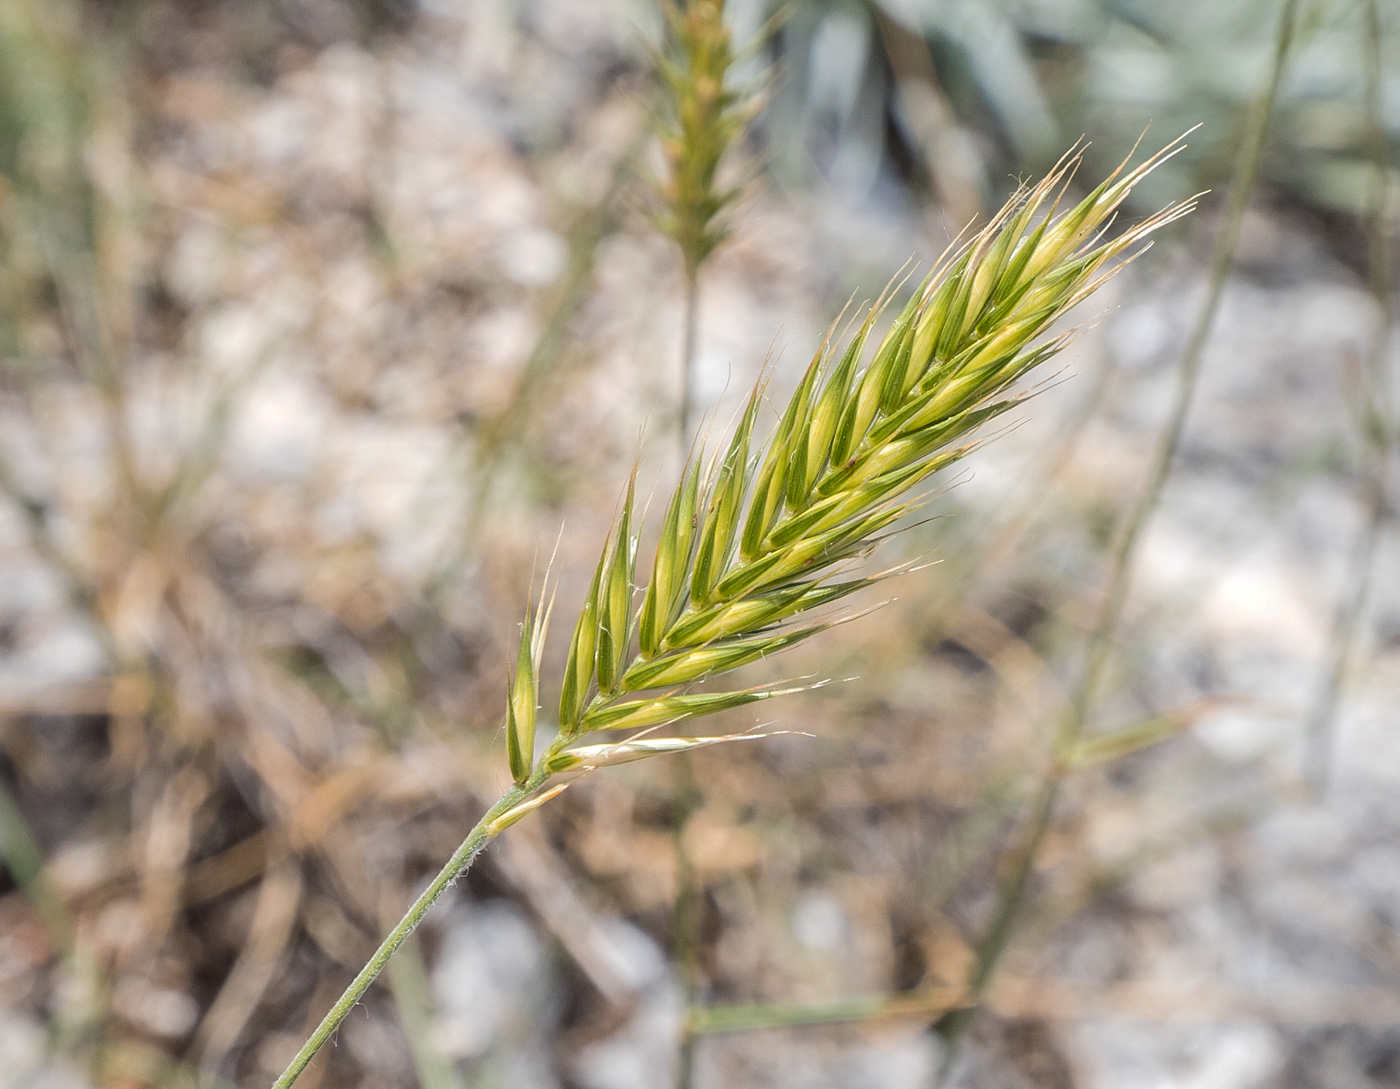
{"type": "Point", "coordinates": [954, 372]}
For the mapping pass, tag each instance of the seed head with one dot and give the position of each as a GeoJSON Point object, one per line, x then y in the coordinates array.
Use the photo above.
{"type": "Point", "coordinates": [750, 546]}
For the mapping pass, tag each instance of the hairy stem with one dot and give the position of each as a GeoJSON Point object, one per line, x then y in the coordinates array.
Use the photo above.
{"type": "Point", "coordinates": [408, 979]}
{"type": "Point", "coordinates": [1101, 640]}
{"type": "Point", "coordinates": [457, 865]}
{"type": "Point", "coordinates": [1377, 428]}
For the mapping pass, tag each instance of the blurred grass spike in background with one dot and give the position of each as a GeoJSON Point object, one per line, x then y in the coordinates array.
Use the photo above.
{"type": "Point", "coordinates": [864, 440]}
{"type": "Point", "coordinates": [703, 115]}
{"type": "Point", "coordinates": [703, 118]}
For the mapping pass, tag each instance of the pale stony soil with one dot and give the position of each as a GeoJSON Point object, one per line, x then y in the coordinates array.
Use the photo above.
{"type": "Point", "coordinates": [366, 251]}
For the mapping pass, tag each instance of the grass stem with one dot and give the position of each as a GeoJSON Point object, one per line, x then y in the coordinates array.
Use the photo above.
{"type": "Point", "coordinates": [1012, 894]}
{"type": "Point", "coordinates": [486, 828]}
{"type": "Point", "coordinates": [1222, 260]}
{"type": "Point", "coordinates": [413, 996]}
{"type": "Point", "coordinates": [1376, 425]}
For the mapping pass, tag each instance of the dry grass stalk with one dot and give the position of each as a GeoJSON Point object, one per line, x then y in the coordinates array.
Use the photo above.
{"type": "Point", "coordinates": [1073, 722]}
{"type": "Point", "coordinates": [752, 545]}
{"type": "Point", "coordinates": [1375, 425]}
{"type": "Point", "coordinates": [1055, 999]}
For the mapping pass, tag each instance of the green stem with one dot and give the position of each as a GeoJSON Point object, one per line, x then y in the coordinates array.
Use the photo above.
{"type": "Point", "coordinates": [1223, 259]}
{"type": "Point", "coordinates": [1377, 432]}
{"type": "Point", "coordinates": [688, 346]}
{"type": "Point", "coordinates": [457, 865]}
{"type": "Point", "coordinates": [1102, 638]}
{"type": "Point", "coordinates": [685, 919]}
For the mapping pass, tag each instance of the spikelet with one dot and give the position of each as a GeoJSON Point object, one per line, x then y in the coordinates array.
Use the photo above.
{"type": "Point", "coordinates": [523, 702]}
{"type": "Point", "coordinates": [749, 549]}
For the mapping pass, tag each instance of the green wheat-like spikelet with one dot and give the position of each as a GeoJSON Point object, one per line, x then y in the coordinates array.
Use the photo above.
{"type": "Point", "coordinates": [751, 546]}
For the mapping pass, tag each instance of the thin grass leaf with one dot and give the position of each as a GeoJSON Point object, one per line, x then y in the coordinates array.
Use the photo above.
{"type": "Point", "coordinates": [1126, 740]}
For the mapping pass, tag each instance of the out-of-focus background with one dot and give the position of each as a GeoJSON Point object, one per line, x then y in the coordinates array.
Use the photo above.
{"type": "Point", "coordinates": [320, 318]}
